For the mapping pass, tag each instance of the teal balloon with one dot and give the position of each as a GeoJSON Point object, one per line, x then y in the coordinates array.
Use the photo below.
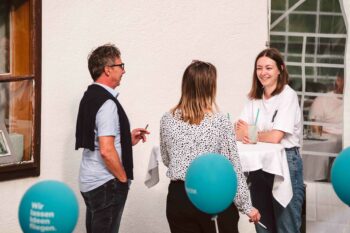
{"type": "Point", "coordinates": [211, 183]}
{"type": "Point", "coordinates": [340, 176]}
{"type": "Point", "coordinates": [48, 206]}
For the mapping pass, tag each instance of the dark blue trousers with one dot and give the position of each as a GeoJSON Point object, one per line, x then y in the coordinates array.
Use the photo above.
{"type": "Point", "coordinates": [104, 206]}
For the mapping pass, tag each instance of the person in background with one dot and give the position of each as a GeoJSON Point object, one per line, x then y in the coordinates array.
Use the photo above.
{"type": "Point", "coordinates": [103, 130]}
{"type": "Point", "coordinates": [279, 121]}
{"type": "Point", "coordinates": [329, 109]}
{"type": "Point", "coordinates": [194, 127]}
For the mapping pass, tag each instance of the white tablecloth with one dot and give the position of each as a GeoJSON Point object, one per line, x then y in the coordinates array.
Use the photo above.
{"type": "Point", "coordinates": [315, 156]}
{"type": "Point", "coordinates": [329, 143]}
{"type": "Point", "coordinates": [270, 158]}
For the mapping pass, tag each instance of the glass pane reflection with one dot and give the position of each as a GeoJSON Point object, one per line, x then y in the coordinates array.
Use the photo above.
{"type": "Point", "coordinates": [4, 37]}
{"type": "Point", "coordinates": [16, 121]}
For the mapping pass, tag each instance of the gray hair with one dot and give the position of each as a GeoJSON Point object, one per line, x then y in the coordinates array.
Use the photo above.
{"type": "Point", "coordinates": [100, 57]}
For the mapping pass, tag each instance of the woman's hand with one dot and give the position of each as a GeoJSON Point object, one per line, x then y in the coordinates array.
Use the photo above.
{"type": "Point", "coordinates": [242, 132]}
{"type": "Point", "coordinates": [246, 140]}
{"type": "Point", "coordinates": [254, 216]}
{"type": "Point", "coordinates": [241, 128]}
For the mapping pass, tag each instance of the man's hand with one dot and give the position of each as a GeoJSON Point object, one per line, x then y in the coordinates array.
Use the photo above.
{"type": "Point", "coordinates": [138, 134]}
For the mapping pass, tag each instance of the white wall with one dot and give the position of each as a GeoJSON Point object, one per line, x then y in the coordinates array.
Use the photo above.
{"type": "Point", "coordinates": [158, 39]}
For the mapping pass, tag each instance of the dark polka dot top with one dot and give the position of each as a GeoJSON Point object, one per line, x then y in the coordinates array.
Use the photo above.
{"type": "Point", "coordinates": [181, 143]}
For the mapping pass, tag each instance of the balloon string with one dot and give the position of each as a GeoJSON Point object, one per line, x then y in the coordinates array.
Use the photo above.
{"type": "Point", "coordinates": [215, 219]}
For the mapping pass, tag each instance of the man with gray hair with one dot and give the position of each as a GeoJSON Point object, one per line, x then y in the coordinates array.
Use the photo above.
{"type": "Point", "coordinates": [103, 130]}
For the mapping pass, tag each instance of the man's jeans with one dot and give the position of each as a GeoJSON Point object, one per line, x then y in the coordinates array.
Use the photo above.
{"type": "Point", "coordinates": [288, 220]}
{"type": "Point", "coordinates": [104, 206]}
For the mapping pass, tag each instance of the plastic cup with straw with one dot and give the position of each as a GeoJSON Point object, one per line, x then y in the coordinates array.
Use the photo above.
{"type": "Point", "coordinates": [256, 118]}
{"type": "Point", "coordinates": [253, 130]}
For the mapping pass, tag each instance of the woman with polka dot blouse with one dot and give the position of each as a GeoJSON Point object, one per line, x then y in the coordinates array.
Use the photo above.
{"type": "Point", "coordinates": [194, 127]}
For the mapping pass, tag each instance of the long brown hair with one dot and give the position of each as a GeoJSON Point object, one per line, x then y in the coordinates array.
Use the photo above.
{"type": "Point", "coordinates": [257, 89]}
{"type": "Point", "coordinates": [198, 92]}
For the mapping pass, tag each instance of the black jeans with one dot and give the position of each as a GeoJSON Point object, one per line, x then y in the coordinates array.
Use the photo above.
{"type": "Point", "coordinates": [184, 217]}
{"type": "Point", "coordinates": [104, 206]}
{"type": "Point", "coordinates": [261, 184]}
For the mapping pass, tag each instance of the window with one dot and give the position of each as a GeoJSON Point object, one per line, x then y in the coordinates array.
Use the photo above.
{"type": "Point", "coordinates": [20, 88]}
{"type": "Point", "coordinates": [311, 34]}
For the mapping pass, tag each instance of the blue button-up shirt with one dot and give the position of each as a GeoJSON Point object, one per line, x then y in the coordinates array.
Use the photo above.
{"type": "Point", "coordinates": [93, 170]}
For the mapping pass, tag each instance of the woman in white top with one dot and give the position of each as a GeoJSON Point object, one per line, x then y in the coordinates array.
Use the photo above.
{"type": "Point", "coordinates": [190, 129]}
{"type": "Point", "coordinates": [278, 121]}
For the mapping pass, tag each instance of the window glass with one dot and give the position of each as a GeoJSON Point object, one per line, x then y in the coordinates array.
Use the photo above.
{"type": "Point", "coordinates": [309, 5]}
{"type": "Point", "coordinates": [282, 25]}
{"type": "Point", "coordinates": [309, 72]}
{"type": "Point", "coordinates": [316, 72]}
{"type": "Point", "coordinates": [17, 119]}
{"type": "Point", "coordinates": [331, 47]}
{"type": "Point", "coordinates": [294, 70]}
{"type": "Point", "coordinates": [302, 23]}
{"type": "Point", "coordinates": [310, 47]}
{"type": "Point", "coordinates": [332, 24]}
{"type": "Point", "coordinates": [4, 37]}
{"type": "Point", "coordinates": [278, 5]}
{"type": "Point", "coordinates": [329, 6]}
{"type": "Point", "coordinates": [278, 42]}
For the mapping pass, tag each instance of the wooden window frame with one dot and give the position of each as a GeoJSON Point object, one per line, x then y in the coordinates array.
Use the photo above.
{"type": "Point", "coordinates": [32, 168]}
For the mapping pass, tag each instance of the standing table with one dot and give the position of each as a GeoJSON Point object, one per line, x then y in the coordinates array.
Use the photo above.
{"type": "Point", "coordinates": [268, 176]}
